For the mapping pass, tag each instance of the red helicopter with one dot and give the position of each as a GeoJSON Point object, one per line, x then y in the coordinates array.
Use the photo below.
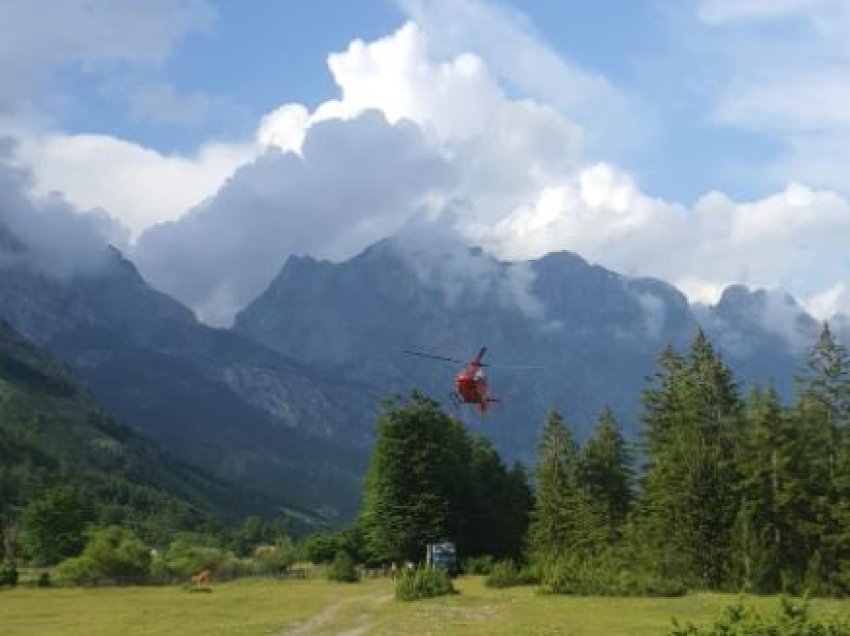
{"type": "Point", "coordinates": [471, 385]}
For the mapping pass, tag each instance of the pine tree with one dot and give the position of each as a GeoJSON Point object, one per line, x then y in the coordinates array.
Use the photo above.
{"type": "Point", "coordinates": [688, 505]}
{"type": "Point", "coordinates": [518, 510]}
{"type": "Point", "coordinates": [822, 415]}
{"type": "Point", "coordinates": [765, 457]}
{"type": "Point", "coordinates": [607, 477]}
{"type": "Point", "coordinates": [557, 518]}
{"type": "Point", "coordinates": [500, 503]}
{"type": "Point", "coordinates": [826, 377]}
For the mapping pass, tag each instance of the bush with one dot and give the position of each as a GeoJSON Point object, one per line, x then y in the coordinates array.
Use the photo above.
{"type": "Point", "coordinates": [277, 560]}
{"type": "Point", "coordinates": [508, 574]}
{"type": "Point", "coordinates": [791, 620]}
{"type": "Point", "coordinates": [322, 547]}
{"type": "Point", "coordinates": [604, 576]}
{"type": "Point", "coordinates": [422, 582]}
{"type": "Point", "coordinates": [342, 568]}
{"type": "Point", "coordinates": [8, 576]}
{"type": "Point", "coordinates": [112, 555]}
{"type": "Point", "coordinates": [44, 580]}
{"type": "Point", "coordinates": [182, 559]}
{"type": "Point", "coordinates": [79, 570]}
{"type": "Point", "coordinates": [478, 565]}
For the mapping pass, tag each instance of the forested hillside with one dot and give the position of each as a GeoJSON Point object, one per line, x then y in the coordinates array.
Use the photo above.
{"type": "Point", "coordinates": [56, 443]}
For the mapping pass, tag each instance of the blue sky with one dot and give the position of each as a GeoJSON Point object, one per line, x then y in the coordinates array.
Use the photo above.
{"type": "Point", "coordinates": [252, 57]}
{"type": "Point", "coordinates": [702, 141]}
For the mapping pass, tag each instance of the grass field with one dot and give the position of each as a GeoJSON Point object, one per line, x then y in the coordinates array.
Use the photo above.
{"type": "Point", "coordinates": [264, 607]}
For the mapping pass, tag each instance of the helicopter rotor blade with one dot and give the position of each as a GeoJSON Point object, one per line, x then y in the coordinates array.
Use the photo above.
{"type": "Point", "coordinates": [433, 357]}
{"type": "Point", "coordinates": [519, 367]}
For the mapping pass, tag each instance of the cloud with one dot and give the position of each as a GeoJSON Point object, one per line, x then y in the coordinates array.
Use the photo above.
{"type": "Point", "coordinates": [441, 259]}
{"type": "Point", "coordinates": [47, 233]}
{"type": "Point", "coordinates": [38, 37]}
{"type": "Point", "coordinates": [830, 301]}
{"type": "Point", "coordinates": [794, 238]}
{"type": "Point", "coordinates": [654, 312]}
{"type": "Point", "coordinates": [720, 11]}
{"type": "Point", "coordinates": [353, 183]}
{"type": "Point", "coordinates": [520, 58]}
{"type": "Point", "coordinates": [138, 185]}
{"type": "Point", "coordinates": [782, 71]}
{"type": "Point", "coordinates": [463, 139]}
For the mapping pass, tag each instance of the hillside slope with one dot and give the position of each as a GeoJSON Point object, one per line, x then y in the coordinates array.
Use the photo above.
{"type": "Point", "coordinates": [52, 433]}
{"type": "Point", "coordinates": [211, 397]}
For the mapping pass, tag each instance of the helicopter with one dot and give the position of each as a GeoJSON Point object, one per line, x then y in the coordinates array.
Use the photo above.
{"type": "Point", "coordinates": [471, 386]}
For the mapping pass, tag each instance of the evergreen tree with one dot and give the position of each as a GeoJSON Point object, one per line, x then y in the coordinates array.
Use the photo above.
{"type": "Point", "coordinates": [688, 504]}
{"type": "Point", "coordinates": [607, 477]}
{"type": "Point", "coordinates": [826, 377]}
{"type": "Point", "coordinates": [822, 417]}
{"type": "Point", "coordinates": [500, 503]}
{"type": "Point", "coordinates": [765, 459]}
{"type": "Point", "coordinates": [518, 510]}
{"type": "Point", "coordinates": [559, 512]}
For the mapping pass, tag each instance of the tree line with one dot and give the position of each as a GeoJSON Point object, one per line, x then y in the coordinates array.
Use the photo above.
{"type": "Point", "coordinates": [721, 492]}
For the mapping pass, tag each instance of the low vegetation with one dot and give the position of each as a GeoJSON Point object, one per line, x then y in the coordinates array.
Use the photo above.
{"type": "Point", "coordinates": [342, 568]}
{"type": "Point", "coordinates": [509, 574]}
{"type": "Point", "coordinates": [418, 583]}
{"type": "Point", "coordinates": [792, 619]}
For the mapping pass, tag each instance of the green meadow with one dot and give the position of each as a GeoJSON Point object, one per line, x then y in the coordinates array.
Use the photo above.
{"type": "Point", "coordinates": [262, 607]}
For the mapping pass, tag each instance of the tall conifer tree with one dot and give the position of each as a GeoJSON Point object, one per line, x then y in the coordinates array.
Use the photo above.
{"type": "Point", "coordinates": [688, 504]}
{"type": "Point", "coordinates": [556, 519]}
{"type": "Point", "coordinates": [607, 476]}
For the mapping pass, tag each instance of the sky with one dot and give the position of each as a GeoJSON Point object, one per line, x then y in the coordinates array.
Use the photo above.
{"type": "Point", "coordinates": [704, 142]}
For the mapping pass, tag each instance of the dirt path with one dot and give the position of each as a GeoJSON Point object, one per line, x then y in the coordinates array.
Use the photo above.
{"type": "Point", "coordinates": [327, 616]}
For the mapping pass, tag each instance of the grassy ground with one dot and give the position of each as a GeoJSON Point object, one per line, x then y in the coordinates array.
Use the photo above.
{"type": "Point", "coordinates": [268, 607]}
{"type": "Point", "coordinates": [242, 608]}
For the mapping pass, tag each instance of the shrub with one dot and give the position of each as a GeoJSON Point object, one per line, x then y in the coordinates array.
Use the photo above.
{"type": "Point", "coordinates": [44, 580]}
{"type": "Point", "coordinates": [277, 560]}
{"type": "Point", "coordinates": [112, 555]}
{"type": "Point", "coordinates": [604, 576]}
{"type": "Point", "coordinates": [791, 620]}
{"type": "Point", "coordinates": [79, 570]}
{"type": "Point", "coordinates": [183, 559]}
{"type": "Point", "coordinates": [342, 568]}
{"type": "Point", "coordinates": [8, 576]}
{"type": "Point", "coordinates": [322, 547]}
{"type": "Point", "coordinates": [508, 574]}
{"type": "Point", "coordinates": [478, 565]}
{"type": "Point", "coordinates": [422, 582]}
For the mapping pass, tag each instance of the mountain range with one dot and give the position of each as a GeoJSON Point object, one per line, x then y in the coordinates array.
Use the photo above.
{"type": "Point", "coordinates": [285, 402]}
{"type": "Point", "coordinates": [594, 332]}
